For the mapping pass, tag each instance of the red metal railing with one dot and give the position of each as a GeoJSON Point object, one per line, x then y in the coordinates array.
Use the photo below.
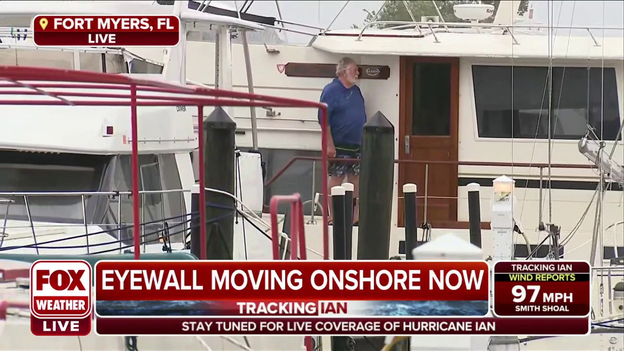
{"type": "Point", "coordinates": [5, 305]}
{"type": "Point", "coordinates": [297, 228]}
{"type": "Point", "coordinates": [10, 275]}
{"type": "Point", "coordinates": [49, 87]}
{"type": "Point", "coordinates": [297, 234]}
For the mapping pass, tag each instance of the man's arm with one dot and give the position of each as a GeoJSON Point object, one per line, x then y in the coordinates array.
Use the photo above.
{"type": "Point", "coordinates": [364, 102]}
{"type": "Point", "coordinates": [326, 98]}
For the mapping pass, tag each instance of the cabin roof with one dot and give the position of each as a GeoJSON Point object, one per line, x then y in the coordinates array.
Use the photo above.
{"type": "Point", "coordinates": [21, 13]}
{"type": "Point", "coordinates": [473, 41]}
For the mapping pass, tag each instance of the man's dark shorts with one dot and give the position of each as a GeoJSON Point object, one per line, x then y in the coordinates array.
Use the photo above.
{"type": "Point", "coordinates": [342, 168]}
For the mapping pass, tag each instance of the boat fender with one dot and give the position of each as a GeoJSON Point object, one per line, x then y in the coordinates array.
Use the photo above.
{"type": "Point", "coordinates": [262, 164]}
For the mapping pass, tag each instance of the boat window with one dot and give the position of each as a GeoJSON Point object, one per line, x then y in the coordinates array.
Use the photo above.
{"type": "Point", "coordinates": [102, 63]}
{"type": "Point", "coordinates": [174, 204]}
{"type": "Point", "coordinates": [431, 99]}
{"type": "Point", "coordinates": [521, 251]}
{"type": "Point", "coordinates": [143, 67]}
{"type": "Point", "coordinates": [155, 173]}
{"type": "Point", "coordinates": [42, 172]}
{"type": "Point", "coordinates": [515, 102]}
{"type": "Point", "coordinates": [610, 252]}
{"type": "Point", "coordinates": [266, 36]}
{"type": "Point", "coordinates": [37, 58]}
{"type": "Point", "coordinates": [303, 177]}
{"type": "Point", "coordinates": [149, 179]}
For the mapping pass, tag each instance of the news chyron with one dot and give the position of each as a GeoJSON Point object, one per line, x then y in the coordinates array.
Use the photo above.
{"type": "Point", "coordinates": [60, 298]}
{"type": "Point", "coordinates": [310, 298]}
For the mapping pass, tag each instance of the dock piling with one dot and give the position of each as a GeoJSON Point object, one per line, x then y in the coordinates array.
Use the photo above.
{"type": "Point", "coordinates": [339, 226]}
{"type": "Point", "coordinates": [411, 219]}
{"type": "Point", "coordinates": [339, 343]}
{"type": "Point", "coordinates": [474, 213]}
{"type": "Point", "coordinates": [219, 169]}
{"type": "Point", "coordinates": [348, 219]}
{"type": "Point", "coordinates": [377, 176]}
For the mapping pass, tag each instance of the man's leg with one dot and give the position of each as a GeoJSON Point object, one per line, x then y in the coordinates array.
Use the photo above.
{"type": "Point", "coordinates": [353, 177]}
{"type": "Point", "coordinates": [336, 178]}
{"type": "Point", "coordinates": [355, 180]}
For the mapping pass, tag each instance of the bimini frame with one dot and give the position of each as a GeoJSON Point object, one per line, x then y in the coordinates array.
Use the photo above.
{"type": "Point", "coordinates": [54, 87]}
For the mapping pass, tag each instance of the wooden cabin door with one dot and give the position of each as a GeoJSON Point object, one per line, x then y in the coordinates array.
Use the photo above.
{"type": "Point", "coordinates": [429, 99]}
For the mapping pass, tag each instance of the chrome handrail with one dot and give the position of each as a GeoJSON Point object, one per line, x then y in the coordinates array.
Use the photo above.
{"type": "Point", "coordinates": [121, 225]}
{"type": "Point", "coordinates": [505, 27]}
{"type": "Point", "coordinates": [79, 193]}
{"type": "Point", "coordinates": [84, 195]}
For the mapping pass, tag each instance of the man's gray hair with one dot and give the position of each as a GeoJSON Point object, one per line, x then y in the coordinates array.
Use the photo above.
{"type": "Point", "coordinates": [343, 64]}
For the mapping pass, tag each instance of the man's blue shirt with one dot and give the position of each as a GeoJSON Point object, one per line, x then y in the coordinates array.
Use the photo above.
{"type": "Point", "coordinates": [346, 112]}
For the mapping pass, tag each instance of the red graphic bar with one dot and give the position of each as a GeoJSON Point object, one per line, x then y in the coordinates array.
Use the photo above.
{"type": "Point", "coordinates": [60, 327]}
{"type": "Point", "coordinates": [341, 326]}
{"type": "Point", "coordinates": [292, 280]}
{"type": "Point", "coordinates": [542, 288]}
{"type": "Point", "coordinates": [75, 305]}
{"type": "Point", "coordinates": [96, 31]}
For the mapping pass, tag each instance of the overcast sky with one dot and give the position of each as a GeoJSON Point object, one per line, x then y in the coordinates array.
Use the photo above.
{"type": "Point", "coordinates": [322, 13]}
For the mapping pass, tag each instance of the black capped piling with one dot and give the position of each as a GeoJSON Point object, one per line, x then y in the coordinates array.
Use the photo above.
{"type": "Point", "coordinates": [339, 343]}
{"type": "Point", "coordinates": [411, 219]}
{"type": "Point", "coordinates": [219, 153]}
{"type": "Point", "coordinates": [348, 187]}
{"type": "Point", "coordinates": [474, 213]}
{"type": "Point", "coordinates": [195, 231]}
{"type": "Point", "coordinates": [339, 226]}
{"type": "Point", "coordinates": [377, 176]}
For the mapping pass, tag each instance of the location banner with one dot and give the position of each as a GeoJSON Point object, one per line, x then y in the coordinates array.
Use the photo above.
{"type": "Point", "coordinates": [303, 298]}
{"type": "Point", "coordinates": [106, 31]}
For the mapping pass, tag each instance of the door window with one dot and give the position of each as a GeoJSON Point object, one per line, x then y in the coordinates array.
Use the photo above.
{"type": "Point", "coordinates": [431, 109]}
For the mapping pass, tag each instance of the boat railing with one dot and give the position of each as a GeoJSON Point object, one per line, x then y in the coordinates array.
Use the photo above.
{"type": "Point", "coordinates": [114, 236]}
{"type": "Point", "coordinates": [531, 175]}
{"type": "Point", "coordinates": [431, 28]}
{"type": "Point", "coordinates": [300, 28]}
{"type": "Point", "coordinates": [606, 278]}
{"type": "Point", "coordinates": [160, 218]}
{"type": "Point", "coordinates": [15, 34]}
{"type": "Point", "coordinates": [18, 54]}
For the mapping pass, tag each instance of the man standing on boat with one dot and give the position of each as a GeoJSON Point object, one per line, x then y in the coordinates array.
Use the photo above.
{"type": "Point", "coordinates": [346, 119]}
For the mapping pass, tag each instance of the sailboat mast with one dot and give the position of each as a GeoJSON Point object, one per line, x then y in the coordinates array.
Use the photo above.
{"type": "Point", "coordinates": [550, 87]}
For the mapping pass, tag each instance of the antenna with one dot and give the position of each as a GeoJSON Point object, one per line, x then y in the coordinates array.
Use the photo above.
{"type": "Point", "coordinates": [473, 12]}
